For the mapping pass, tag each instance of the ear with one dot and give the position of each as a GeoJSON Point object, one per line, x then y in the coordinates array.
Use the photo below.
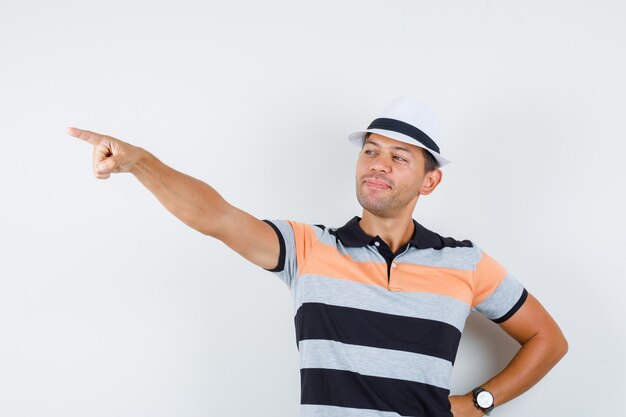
{"type": "Point", "coordinates": [430, 181]}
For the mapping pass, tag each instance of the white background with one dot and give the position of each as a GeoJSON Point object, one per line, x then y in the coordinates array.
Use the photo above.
{"type": "Point", "coordinates": [110, 306]}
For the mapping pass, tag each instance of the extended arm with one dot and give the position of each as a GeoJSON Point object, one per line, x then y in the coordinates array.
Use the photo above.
{"type": "Point", "coordinates": [192, 201]}
{"type": "Point", "coordinates": [543, 345]}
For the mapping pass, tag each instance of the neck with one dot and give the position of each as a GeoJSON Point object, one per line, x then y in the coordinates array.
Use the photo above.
{"type": "Point", "coordinates": [396, 231]}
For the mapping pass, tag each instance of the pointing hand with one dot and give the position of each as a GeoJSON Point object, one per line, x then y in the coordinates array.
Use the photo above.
{"type": "Point", "coordinates": [109, 154]}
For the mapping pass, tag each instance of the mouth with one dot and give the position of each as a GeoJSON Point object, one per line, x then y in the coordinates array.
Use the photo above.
{"type": "Point", "coordinates": [376, 184]}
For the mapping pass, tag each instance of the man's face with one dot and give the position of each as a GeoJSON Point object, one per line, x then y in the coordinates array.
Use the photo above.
{"type": "Point", "coordinates": [390, 175]}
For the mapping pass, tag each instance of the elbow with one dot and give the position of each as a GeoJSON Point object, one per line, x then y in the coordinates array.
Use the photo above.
{"type": "Point", "coordinates": [555, 346]}
{"type": "Point", "coordinates": [564, 346]}
{"type": "Point", "coordinates": [559, 347]}
{"type": "Point", "coordinates": [558, 343]}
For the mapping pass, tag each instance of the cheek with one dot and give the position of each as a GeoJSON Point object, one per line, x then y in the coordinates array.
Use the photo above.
{"type": "Point", "coordinates": [360, 165]}
{"type": "Point", "coordinates": [418, 182]}
{"type": "Point", "coordinates": [413, 180]}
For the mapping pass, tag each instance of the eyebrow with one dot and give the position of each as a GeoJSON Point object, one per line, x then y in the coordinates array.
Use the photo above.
{"type": "Point", "coordinates": [400, 148]}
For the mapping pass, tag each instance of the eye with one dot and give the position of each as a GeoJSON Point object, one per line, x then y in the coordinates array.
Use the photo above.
{"type": "Point", "coordinates": [400, 158]}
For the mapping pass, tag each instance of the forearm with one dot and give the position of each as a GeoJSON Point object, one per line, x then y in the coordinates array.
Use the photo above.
{"type": "Point", "coordinates": [531, 363]}
{"type": "Point", "coordinates": [194, 202]}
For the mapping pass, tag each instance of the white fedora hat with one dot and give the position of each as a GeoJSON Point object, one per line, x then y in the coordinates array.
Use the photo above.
{"type": "Point", "coordinates": [408, 120]}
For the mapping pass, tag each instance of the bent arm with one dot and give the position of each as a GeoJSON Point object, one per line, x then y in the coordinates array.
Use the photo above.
{"type": "Point", "coordinates": [543, 346]}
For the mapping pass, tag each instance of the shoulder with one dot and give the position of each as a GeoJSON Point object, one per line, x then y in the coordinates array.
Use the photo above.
{"type": "Point", "coordinates": [297, 230]}
{"type": "Point", "coordinates": [426, 238]}
{"type": "Point", "coordinates": [451, 242]}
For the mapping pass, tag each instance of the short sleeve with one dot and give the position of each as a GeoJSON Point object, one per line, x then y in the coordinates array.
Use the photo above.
{"type": "Point", "coordinates": [295, 240]}
{"type": "Point", "coordinates": [497, 293]}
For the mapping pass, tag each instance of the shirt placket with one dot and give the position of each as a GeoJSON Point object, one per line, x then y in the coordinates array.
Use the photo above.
{"type": "Point", "coordinates": [393, 265]}
{"type": "Point", "coordinates": [393, 269]}
{"type": "Point", "coordinates": [377, 245]}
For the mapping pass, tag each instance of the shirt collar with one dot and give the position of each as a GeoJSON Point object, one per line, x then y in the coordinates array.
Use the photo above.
{"type": "Point", "coordinates": [352, 235]}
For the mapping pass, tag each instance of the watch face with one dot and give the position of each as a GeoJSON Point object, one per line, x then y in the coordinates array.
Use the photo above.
{"type": "Point", "coordinates": [484, 399]}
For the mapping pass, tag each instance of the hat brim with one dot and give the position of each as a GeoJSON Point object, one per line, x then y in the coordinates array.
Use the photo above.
{"type": "Point", "coordinates": [356, 138]}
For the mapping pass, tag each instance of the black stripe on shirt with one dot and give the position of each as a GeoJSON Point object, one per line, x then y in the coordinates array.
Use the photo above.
{"type": "Point", "coordinates": [350, 389]}
{"type": "Point", "coordinates": [381, 330]}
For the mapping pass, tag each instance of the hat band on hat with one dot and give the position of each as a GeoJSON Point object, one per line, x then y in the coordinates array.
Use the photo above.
{"type": "Point", "coordinates": [406, 129]}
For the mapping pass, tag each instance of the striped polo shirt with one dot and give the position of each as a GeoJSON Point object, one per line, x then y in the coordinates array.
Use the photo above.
{"type": "Point", "coordinates": [378, 332]}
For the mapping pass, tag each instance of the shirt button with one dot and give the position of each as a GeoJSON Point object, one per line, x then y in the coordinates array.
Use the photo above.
{"type": "Point", "coordinates": [377, 243]}
{"type": "Point", "coordinates": [393, 264]}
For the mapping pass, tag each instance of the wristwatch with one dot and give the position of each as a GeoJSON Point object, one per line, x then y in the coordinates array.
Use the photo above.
{"type": "Point", "coordinates": [483, 400]}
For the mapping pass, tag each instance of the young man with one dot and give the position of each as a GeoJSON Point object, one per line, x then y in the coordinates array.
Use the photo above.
{"type": "Point", "coordinates": [381, 302]}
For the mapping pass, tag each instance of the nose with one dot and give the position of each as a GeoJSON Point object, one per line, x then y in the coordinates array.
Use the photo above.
{"type": "Point", "coordinates": [380, 163]}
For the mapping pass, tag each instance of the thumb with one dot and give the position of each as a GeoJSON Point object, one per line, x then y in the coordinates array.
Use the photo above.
{"type": "Point", "coordinates": [107, 165]}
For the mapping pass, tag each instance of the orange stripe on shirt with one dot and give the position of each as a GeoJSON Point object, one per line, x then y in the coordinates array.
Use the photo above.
{"type": "Point", "coordinates": [305, 239]}
{"type": "Point", "coordinates": [327, 261]}
{"type": "Point", "coordinates": [455, 283]}
{"type": "Point", "coordinates": [489, 274]}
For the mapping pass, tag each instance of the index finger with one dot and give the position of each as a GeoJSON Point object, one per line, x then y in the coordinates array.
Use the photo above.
{"type": "Point", "coordinates": [86, 135]}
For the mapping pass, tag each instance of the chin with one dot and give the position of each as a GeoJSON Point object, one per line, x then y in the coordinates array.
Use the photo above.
{"type": "Point", "coordinates": [375, 207]}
